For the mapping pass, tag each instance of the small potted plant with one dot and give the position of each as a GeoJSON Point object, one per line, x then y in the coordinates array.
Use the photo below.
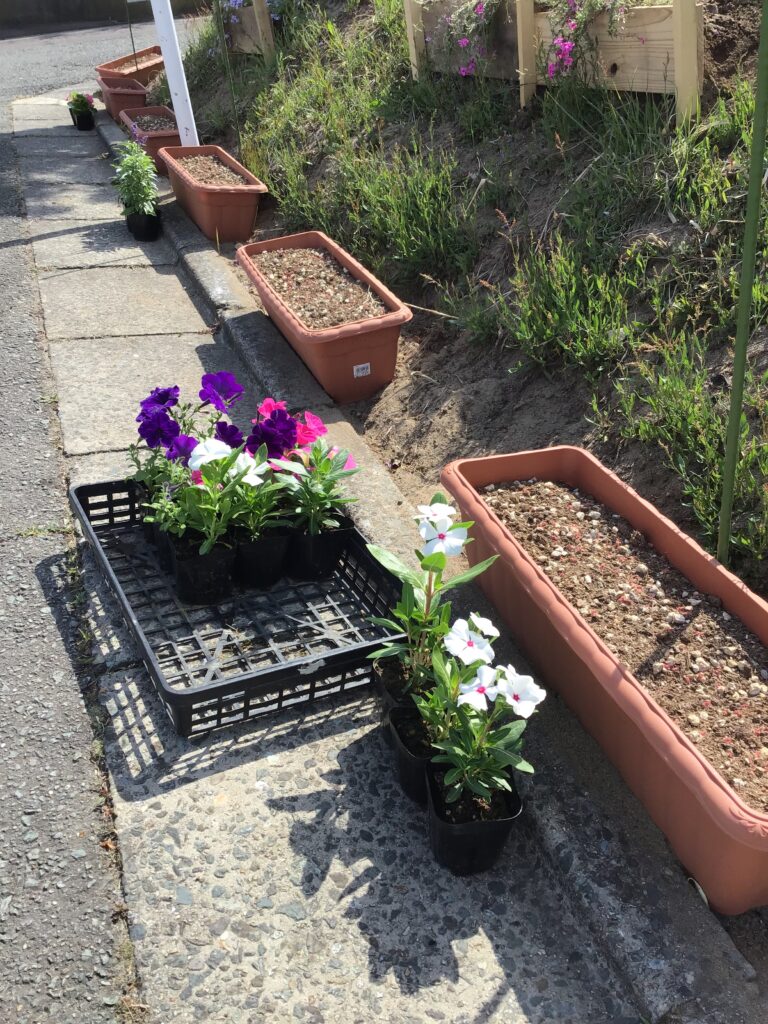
{"type": "Point", "coordinates": [476, 727]}
{"type": "Point", "coordinates": [405, 668]}
{"type": "Point", "coordinates": [81, 111]}
{"type": "Point", "coordinates": [136, 184]}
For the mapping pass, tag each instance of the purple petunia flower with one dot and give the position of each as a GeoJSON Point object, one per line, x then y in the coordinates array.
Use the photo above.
{"type": "Point", "coordinates": [181, 448]}
{"type": "Point", "coordinates": [277, 432]}
{"type": "Point", "coordinates": [228, 433]}
{"type": "Point", "coordinates": [157, 428]}
{"type": "Point", "coordinates": [220, 389]}
{"type": "Point", "coordinates": [158, 398]}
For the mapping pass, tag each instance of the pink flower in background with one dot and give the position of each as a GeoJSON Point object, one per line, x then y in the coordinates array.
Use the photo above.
{"type": "Point", "coordinates": [480, 9]}
{"type": "Point", "coordinates": [197, 477]}
{"type": "Point", "coordinates": [551, 69]}
{"type": "Point", "coordinates": [268, 406]}
{"type": "Point", "coordinates": [350, 463]}
{"type": "Point", "coordinates": [571, 24]}
{"type": "Point", "coordinates": [464, 42]}
{"type": "Point", "coordinates": [309, 431]}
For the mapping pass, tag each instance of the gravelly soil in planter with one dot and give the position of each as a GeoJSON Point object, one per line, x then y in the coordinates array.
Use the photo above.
{"type": "Point", "coordinates": [318, 290]}
{"type": "Point", "coordinates": [702, 666]}
{"type": "Point", "coordinates": [130, 62]}
{"type": "Point", "coordinates": [472, 808]}
{"type": "Point", "coordinates": [209, 170]}
{"type": "Point", "coordinates": [154, 123]}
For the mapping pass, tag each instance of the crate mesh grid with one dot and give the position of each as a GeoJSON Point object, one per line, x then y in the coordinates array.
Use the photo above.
{"type": "Point", "coordinates": [256, 652]}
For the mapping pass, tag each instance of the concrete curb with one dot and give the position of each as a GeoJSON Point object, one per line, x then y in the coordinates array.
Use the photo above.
{"type": "Point", "coordinates": [655, 934]}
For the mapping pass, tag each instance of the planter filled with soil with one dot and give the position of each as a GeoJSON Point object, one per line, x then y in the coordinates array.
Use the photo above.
{"type": "Point", "coordinates": [338, 317]}
{"type": "Point", "coordinates": [141, 66]}
{"type": "Point", "coordinates": [656, 647]}
{"type": "Point", "coordinates": [121, 94]}
{"type": "Point", "coordinates": [467, 837]}
{"type": "Point", "coordinates": [215, 191]}
{"type": "Point", "coordinates": [412, 749]}
{"type": "Point", "coordinates": [154, 128]}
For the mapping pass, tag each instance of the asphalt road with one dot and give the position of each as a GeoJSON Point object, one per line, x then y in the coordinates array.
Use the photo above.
{"type": "Point", "coordinates": [59, 959]}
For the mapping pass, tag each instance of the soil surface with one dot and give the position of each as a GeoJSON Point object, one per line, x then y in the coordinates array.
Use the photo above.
{"type": "Point", "coordinates": [155, 123]}
{"type": "Point", "coordinates": [209, 170]}
{"type": "Point", "coordinates": [319, 291]}
{"type": "Point", "coordinates": [131, 62]}
{"type": "Point", "coordinates": [470, 808]}
{"type": "Point", "coordinates": [705, 669]}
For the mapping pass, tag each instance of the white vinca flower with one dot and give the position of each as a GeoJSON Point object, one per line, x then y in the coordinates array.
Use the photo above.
{"type": "Point", "coordinates": [208, 451]}
{"type": "Point", "coordinates": [466, 645]}
{"type": "Point", "coordinates": [252, 470]}
{"type": "Point", "coordinates": [482, 625]}
{"type": "Point", "coordinates": [442, 536]}
{"type": "Point", "coordinates": [522, 693]}
{"type": "Point", "coordinates": [431, 513]}
{"type": "Point", "coordinates": [478, 691]}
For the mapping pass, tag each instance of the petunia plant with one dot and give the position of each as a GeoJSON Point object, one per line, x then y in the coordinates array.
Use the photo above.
{"type": "Point", "coordinates": [422, 613]}
{"type": "Point", "coordinates": [314, 486]}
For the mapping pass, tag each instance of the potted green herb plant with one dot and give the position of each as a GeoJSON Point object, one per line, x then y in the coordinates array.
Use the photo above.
{"type": "Point", "coordinates": [136, 184]}
{"type": "Point", "coordinates": [476, 727]}
{"type": "Point", "coordinates": [81, 111]}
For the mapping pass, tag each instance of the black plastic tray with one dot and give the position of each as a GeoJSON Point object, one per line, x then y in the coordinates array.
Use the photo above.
{"type": "Point", "coordinates": [255, 653]}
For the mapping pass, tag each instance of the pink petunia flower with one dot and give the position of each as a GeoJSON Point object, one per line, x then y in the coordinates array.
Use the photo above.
{"type": "Point", "coordinates": [463, 42]}
{"type": "Point", "coordinates": [268, 406]}
{"type": "Point", "coordinates": [309, 431]}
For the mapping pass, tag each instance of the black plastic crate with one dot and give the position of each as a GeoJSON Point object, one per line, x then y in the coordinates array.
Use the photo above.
{"type": "Point", "coordinates": [254, 653]}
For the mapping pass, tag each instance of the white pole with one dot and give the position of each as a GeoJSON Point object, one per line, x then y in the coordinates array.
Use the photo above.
{"type": "Point", "coordinates": [174, 70]}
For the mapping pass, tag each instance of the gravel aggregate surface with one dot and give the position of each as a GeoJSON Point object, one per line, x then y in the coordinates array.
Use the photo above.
{"type": "Point", "coordinates": [318, 290]}
{"type": "Point", "coordinates": [154, 123]}
{"type": "Point", "coordinates": [704, 667]}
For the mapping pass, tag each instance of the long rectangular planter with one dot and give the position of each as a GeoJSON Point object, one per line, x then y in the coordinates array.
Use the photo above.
{"type": "Point", "coordinates": [224, 213]}
{"type": "Point", "coordinates": [351, 361]}
{"type": "Point", "coordinates": [143, 74]}
{"type": "Point", "coordinates": [721, 841]}
{"type": "Point", "coordinates": [153, 142]}
{"type": "Point", "coordinates": [121, 94]}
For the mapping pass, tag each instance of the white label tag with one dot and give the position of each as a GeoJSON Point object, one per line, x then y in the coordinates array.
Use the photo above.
{"type": "Point", "coordinates": [362, 370]}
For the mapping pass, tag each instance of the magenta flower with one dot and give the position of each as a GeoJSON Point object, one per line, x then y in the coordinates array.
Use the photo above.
{"type": "Point", "coordinates": [551, 69]}
{"type": "Point", "coordinates": [268, 406]}
{"type": "Point", "coordinates": [480, 9]}
{"type": "Point", "coordinates": [220, 390]}
{"type": "Point", "coordinates": [463, 42]}
{"type": "Point", "coordinates": [309, 431]}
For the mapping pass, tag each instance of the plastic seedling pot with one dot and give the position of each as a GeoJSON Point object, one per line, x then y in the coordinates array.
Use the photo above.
{"type": "Point", "coordinates": [261, 562]}
{"type": "Point", "coordinates": [404, 725]}
{"type": "Point", "coordinates": [201, 579]}
{"type": "Point", "coordinates": [145, 227]}
{"type": "Point", "coordinates": [314, 556]}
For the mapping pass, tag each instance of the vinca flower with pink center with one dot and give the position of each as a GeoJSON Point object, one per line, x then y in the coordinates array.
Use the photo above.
{"type": "Point", "coordinates": [522, 693]}
{"type": "Point", "coordinates": [467, 645]}
{"type": "Point", "coordinates": [478, 691]}
{"type": "Point", "coordinates": [442, 536]}
{"type": "Point", "coordinates": [208, 451]}
{"type": "Point", "coordinates": [437, 510]}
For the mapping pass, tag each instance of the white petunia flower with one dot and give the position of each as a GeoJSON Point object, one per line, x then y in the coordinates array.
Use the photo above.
{"type": "Point", "coordinates": [431, 513]}
{"type": "Point", "coordinates": [208, 451]}
{"type": "Point", "coordinates": [478, 691]}
{"type": "Point", "coordinates": [442, 536]}
{"type": "Point", "coordinates": [522, 693]}
{"type": "Point", "coordinates": [482, 625]}
{"type": "Point", "coordinates": [467, 645]}
{"type": "Point", "coordinates": [253, 471]}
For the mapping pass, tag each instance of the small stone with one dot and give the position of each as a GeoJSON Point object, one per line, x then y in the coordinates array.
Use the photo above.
{"type": "Point", "coordinates": [658, 668]}
{"type": "Point", "coordinates": [694, 719]}
{"type": "Point", "coordinates": [78, 854]}
{"type": "Point", "coordinates": [641, 569]}
{"type": "Point", "coordinates": [755, 689]}
{"type": "Point", "coordinates": [676, 619]}
{"type": "Point", "coordinates": [293, 910]}
{"type": "Point", "coordinates": [183, 896]}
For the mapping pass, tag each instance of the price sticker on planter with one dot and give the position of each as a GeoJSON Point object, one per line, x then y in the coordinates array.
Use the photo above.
{"type": "Point", "coordinates": [362, 370]}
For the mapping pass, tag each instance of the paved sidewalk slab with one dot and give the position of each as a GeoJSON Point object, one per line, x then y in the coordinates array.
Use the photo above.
{"type": "Point", "coordinates": [115, 302]}
{"type": "Point", "coordinates": [72, 201]}
{"type": "Point", "coordinates": [78, 168]}
{"type": "Point", "coordinates": [97, 417]}
{"type": "Point", "coordinates": [277, 873]}
{"type": "Point", "coordinates": [53, 112]}
{"type": "Point", "coordinates": [76, 144]}
{"type": "Point", "coordinates": [70, 244]}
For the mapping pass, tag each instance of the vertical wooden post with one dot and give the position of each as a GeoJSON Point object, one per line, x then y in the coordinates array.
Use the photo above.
{"type": "Point", "coordinates": [526, 49]}
{"type": "Point", "coordinates": [685, 29]}
{"type": "Point", "coordinates": [264, 27]}
{"type": "Point", "coordinates": [417, 48]}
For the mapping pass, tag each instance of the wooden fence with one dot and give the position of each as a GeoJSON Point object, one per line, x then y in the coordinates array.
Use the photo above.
{"type": "Point", "coordinates": [659, 50]}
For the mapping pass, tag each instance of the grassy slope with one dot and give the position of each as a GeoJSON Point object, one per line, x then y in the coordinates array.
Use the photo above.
{"type": "Point", "coordinates": [593, 240]}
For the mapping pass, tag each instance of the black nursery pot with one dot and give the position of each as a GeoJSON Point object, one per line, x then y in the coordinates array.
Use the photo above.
{"type": "Point", "coordinates": [315, 556]}
{"type": "Point", "coordinates": [83, 122]}
{"type": "Point", "coordinates": [261, 562]}
{"type": "Point", "coordinates": [405, 726]}
{"type": "Point", "coordinates": [145, 227]}
{"type": "Point", "coordinates": [163, 545]}
{"type": "Point", "coordinates": [386, 677]}
{"type": "Point", "coordinates": [201, 579]}
{"type": "Point", "coordinates": [471, 847]}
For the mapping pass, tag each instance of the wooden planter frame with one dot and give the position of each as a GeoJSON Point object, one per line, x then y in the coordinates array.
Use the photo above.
{"type": "Point", "coordinates": [659, 51]}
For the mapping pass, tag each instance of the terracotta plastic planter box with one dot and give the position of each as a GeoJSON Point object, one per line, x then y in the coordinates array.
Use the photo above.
{"type": "Point", "coordinates": [121, 94]}
{"type": "Point", "coordinates": [721, 841]}
{"type": "Point", "coordinates": [145, 71]}
{"type": "Point", "coordinates": [224, 213]}
{"type": "Point", "coordinates": [155, 141]}
{"type": "Point", "coordinates": [354, 360]}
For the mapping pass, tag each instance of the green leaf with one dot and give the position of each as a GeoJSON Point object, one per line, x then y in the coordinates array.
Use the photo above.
{"type": "Point", "coordinates": [435, 562]}
{"type": "Point", "coordinates": [470, 574]}
{"type": "Point", "coordinates": [395, 566]}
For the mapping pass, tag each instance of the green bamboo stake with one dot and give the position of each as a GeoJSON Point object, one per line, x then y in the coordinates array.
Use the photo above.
{"type": "Point", "coordinates": [130, 29]}
{"type": "Point", "coordinates": [225, 54]}
{"type": "Point", "coordinates": [744, 316]}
